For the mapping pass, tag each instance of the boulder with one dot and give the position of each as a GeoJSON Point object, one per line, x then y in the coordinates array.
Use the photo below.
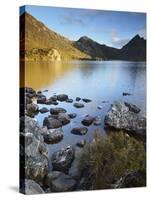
{"type": "Point", "coordinates": [52, 122]}
{"type": "Point", "coordinates": [63, 118]}
{"type": "Point", "coordinates": [44, 110]}
{"type": "Point", "coordinates": [54, 98]}
{"type": "Point", "coordinates": [62, 159]}
{"type": "Point", "coordinates": [53, 136]}
{"type": "Point", "coordinates": [72, 115]}
{"type": "Point", "coordinates": [88, 120]}
{"type": "Point", "coordinates": [60, 182]}
{"type": "Point", "coordinates": [121, 117]}
{"type": "Point", "coordinates": [86, 100]}
{"type": "Point", "coordinates": [32, 109]}
{"type": "Point", "coordinates": [31, 187]}
{"type": "Point", "coordinates": [41, 100]}
{"type": "Point", "coordinates": [78, 98]}
{"type": "Point", "coordinates": [57, 110]}
{"type": "Point", "coordinates": [79, 130]}
{"type": "Point", "coordinates": [69, 100]}
{"type": "Point", "coordinates": [62, 97]}
{"type": "Point", "coordinates": [78, 105]}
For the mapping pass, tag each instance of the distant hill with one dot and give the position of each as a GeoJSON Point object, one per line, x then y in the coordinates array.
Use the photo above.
{"type": "Point", "coordinates": [39, 42]}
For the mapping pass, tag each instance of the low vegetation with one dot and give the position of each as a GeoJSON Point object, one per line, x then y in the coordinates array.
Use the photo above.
{"type": "Point", "coordinates": [106, 160]}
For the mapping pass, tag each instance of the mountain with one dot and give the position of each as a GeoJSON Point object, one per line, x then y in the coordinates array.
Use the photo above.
{"type": "Point", "coordinates": [95, 50]}
{"type": "Point", "coordinates": [135, 49]}
{"type": "Point", "coordinates": [38, 42]}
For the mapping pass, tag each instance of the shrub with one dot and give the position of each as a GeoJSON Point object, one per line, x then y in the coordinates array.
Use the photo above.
{"type": "Point", "coordinates": [107, 159]}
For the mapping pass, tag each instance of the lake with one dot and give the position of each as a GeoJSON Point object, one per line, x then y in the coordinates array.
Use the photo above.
{"type": "Point", "coordinates": [96, 80]}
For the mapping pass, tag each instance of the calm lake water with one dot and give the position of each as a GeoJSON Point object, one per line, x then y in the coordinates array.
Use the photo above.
{"type": "Point", "coordinates": [96, 80]}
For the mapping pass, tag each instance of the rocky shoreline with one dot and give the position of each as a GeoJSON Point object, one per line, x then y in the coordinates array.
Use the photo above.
{"type": "Point", "coordinates": [66, 174]}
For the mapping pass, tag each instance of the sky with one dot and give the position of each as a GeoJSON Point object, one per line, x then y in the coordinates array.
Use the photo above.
{"type": "Point", "coordinates": [113, 28]}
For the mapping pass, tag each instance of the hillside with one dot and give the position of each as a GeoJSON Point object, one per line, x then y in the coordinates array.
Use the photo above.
{"type": "Point", "coordinates": [37, 42]}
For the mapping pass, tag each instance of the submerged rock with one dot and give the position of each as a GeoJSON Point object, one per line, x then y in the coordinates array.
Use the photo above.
{"type": "Point", "coordinates": [121, 117]}
{"type": "Point", "coordinates": [62, 159]}
{"type": "Point", "coordinates": [60, 182]}
{"type": "Point", "coordinates": [62, 97]}
{"type": "Point", "coordinates": [53, 136]}
{"type": "Point", "coordinates": [72, 115]}
{"type": "Point", "coordinates": [56, 111]}
{"type": "Point", "coordinates": [63, 118]}
{"type": "Point", "coordinates": [88, 120]}
{"type": "Point", "coordinates": [81, 144]}
{"type": "Point", "coordinates": [69, 100]}
{"type": "Point", "coordinates": [99, 107]}
{"type": "Point", "coordinates": [78, 98]}
{"type": "Point", "coordinates": [78, 105]}
{"type": "Point", "coordinates": [86, 100]}
{"type": "Point", "coordinates": [126, 94]}
{"type": "Point", "coordinates": [79, 130]}
{"type": "Point", "coordinates": [44, 110]}
{"type": "Point", "coordinates": [52, 122]}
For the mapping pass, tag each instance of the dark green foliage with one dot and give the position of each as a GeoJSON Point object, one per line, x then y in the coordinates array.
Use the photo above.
{"type": "Point", "coordinates": [108, 159]}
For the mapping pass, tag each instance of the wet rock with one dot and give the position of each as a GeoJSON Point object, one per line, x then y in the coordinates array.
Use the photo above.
{"type": "Point", "coordinates": [54, 98]}
{"type": "Point", "coordinates": [62, 97]}
{"type": "Point", "coordinates": [56, 111]}
{"type": "Point", "coordinates": [63, 118]}
{"type": "Point", "coordinates": [60, 182]}
{"type": "Point", "coordinates": [62, 159]}
{"type": "Point", "coordinates": [78, 98]}
{"type": "Point", "coordinates": [39, 92]}
{"type": "Point", "coordinates": [53, 136]}
{"type": "Point", "coordinates": [45, 90]}
{"type": "Point", "coordinates": [72, 115]}
{"type": "Point", "coordinates": [132, 179]}
{"type": "Point", "coordinates": [51, 122]}
{"type": "Point", "coordinates": [99, 107]}
{"type": "Point", "coordinates": [51, 102]}
{"type": "Point", "coordinates": [79, 130]}
{"type": "Point", "coordinates": [29, 90]}
{"type": "Point", "coordinates": [44, 110]}
{"type": "Point", "coordinates": [32, 109]}
{"type": "Point", "coordinates": [81, 144]}
{"type": "Point", "coordinates": [88, 120]}
{"type": "Point", "coordinates": [31, 187]}
{"type": "Point", "coordinates": [126, 94]}
{"type": "Point", "coordinates": [121, 117]}
{"type": "Point", "coordinates": [86, 100]}
{"type": "Point", "coordinates": [78, 105]}
{"type": "Point", "coordinates": [69, 100]}
{"type": "Point", "coordinates": [41, 100]}
{"type": "Point", "coordinates": [97, 121]}
{"type": "Point", "coordinates": [132, 107]}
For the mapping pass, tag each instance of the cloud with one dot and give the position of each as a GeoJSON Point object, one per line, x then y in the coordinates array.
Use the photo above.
{"type": "Point", "coordinates": [71, 20]}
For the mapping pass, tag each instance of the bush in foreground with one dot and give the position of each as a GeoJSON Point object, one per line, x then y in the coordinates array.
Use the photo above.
{"type": "Point", "coordinates": [107, 160]}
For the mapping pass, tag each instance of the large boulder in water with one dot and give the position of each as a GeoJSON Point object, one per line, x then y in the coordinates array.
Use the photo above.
{"type": "Point", "coordinates": [51, 122]}
{"type": "Point", "coordinates": [53, 136]}
{"type": "Point", "coordinates": [126, 116]}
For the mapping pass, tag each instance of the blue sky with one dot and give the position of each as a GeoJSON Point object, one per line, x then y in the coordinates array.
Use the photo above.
{"type": "Point", "coordinates": [112, 28]}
